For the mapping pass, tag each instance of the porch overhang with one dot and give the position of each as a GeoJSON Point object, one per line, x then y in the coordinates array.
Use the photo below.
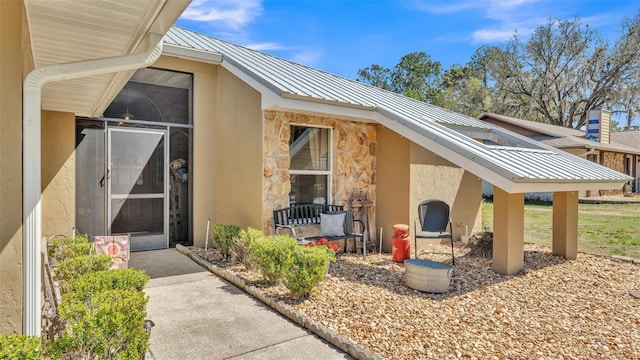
{"type": "Point", "coordinates": [65, 31]}
{"type": "Point", "coordinates": [83, 54]}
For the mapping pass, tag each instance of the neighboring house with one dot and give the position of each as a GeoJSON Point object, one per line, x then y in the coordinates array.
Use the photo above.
{"type": "Point", "coordinates": [631, 139]}
{"type": "Point", "coordinates": [210, 130]}
{"type": "Point", "coordinates": [619, 151]}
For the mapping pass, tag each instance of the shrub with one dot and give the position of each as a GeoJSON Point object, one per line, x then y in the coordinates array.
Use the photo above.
{"type": "Point", "coordinates": [306, 270]}
{"type": "Point", "coordinates": [20, 347]}
{"type": "Point", "coordinates": [76, 266]}
{"type": "Point", "coordinates": [240, 248]}
{"type": "Point", "coordinates": [87, 285]}
{"type": "Point", "coordinates": [69, 247]}
{"type": "Point", "coordinates": [223, 237]}
{"type": "Point", "coordinates": [273, 255]}
{"type": "Point", "coordinates": [109, 326]}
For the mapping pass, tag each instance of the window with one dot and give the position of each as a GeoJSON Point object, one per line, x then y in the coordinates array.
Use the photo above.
{"type": "Point", "coordinates": [154, 95]}
{"type": "Point", "coordinates": [310, 167]}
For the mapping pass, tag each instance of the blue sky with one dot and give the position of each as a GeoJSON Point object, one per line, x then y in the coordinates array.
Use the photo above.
{"type": "Point", "coordinates": [343, 36]}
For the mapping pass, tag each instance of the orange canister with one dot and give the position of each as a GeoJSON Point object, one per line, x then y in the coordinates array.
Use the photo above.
{"type": "Point", "coordinates": [401, 247]}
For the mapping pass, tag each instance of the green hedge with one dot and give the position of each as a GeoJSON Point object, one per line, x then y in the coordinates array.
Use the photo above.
{"type": "Point", "coordinates": [110, 325]}
{"type": "Point", "coordinates": [70, 268]}
{"type": "Point", "coordinates": [224, 238]}
{"type": "Point", "coordinates": [273, 254]}
{"type": "Point", "coordinates": [69, 247]}
{"type": "Point", "coordinates": [306, 270]}
{"type": "Point", "coordinates": [241, 248]}
{"type": "Point", "coordinates": [87, 285]}
{"type": "Point", "coordinates": [20, 347]}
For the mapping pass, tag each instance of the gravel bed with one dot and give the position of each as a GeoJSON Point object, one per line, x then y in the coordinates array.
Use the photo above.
{"type": "Point", "coordinates": [552, 309]}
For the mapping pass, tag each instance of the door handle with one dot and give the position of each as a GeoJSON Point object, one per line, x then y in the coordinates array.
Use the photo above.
{"type": "Point", "coordinates": [103, 178]}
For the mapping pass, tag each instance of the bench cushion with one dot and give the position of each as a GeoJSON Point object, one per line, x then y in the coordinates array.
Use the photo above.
{"type": "Point", "coordinates": [332, 225]}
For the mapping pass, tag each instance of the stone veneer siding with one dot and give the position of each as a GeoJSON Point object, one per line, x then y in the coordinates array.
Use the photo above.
{"type": "Point", "coordinates": [614, 161]}
{"type": "Point", "coordinates": [353, 157]}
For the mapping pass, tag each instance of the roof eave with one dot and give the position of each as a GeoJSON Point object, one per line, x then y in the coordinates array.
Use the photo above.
{"type": "Point", "coordinates": [160, 24]}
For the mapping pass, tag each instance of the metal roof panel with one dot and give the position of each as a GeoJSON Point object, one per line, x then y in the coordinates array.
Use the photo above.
{"type": "Point", "coordinates": [426, 121]}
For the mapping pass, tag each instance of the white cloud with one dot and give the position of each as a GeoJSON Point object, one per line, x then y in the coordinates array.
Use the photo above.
{"type": "Point", "coordinates": [488, 36]}
{"type": "Point", "coordinates": [265, 46]}
{"type": "Point", "coordinates": [308, 57]}
{"type": "Point", "coordinates": [447, 7]}
{"type": "Point", "coordinates": [233, 14]}
{"type": "Point", "coordinates": [500, 19]}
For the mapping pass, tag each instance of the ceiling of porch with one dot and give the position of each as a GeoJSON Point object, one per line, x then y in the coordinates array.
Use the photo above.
{"type": "Point", "coordinates": [64, 31]}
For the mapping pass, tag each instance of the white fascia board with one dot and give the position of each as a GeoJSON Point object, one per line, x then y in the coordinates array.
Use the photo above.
{"type": "Point", "coordinates": [191, 54]}
{"type": "Point", "coordinates": [568, 186]}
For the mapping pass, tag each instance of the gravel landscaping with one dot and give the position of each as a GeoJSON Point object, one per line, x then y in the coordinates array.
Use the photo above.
{"type": "Point", "coordinates": [552, 309]}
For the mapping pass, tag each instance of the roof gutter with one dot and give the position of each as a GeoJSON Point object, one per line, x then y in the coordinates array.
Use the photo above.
{"type": "Point", "coordinates": [31, 172]}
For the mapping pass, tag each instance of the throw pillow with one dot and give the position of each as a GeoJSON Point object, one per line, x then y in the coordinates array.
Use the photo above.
{"type": "Point", "coordinates": [332, 225]}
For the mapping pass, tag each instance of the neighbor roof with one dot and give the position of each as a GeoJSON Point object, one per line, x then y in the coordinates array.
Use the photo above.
{"type": "Point", "coordinates": [629, 138]}
{"type": "Point", "coordinates": [565, 137]}
{"type": "Point", "coordinates": [287, 85]}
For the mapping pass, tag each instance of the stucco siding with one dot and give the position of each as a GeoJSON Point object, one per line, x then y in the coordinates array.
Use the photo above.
{"type": "Point", "coordinates": [58, 169]}
{"type": "Point", "coordinates": [237, 153]}
{"type": "Point", "coordinates": [13, 67]}
{"type": "Point", "coordinates": [433, 177]}
{"type": "Point", "coordinates": [392, 183]}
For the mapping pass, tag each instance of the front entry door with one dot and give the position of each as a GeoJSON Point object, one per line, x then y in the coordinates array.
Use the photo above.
{"type": "Point", "coordinates": [137, 186]}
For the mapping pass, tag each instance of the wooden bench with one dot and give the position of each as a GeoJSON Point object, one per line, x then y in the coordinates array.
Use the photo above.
{"type": "Point", "coordinates": [299, 215]}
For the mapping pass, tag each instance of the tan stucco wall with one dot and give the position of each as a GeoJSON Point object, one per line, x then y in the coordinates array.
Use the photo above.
{"type": "Point", "coordinates": [238, 153]}
{"type": "Point", "coordinates": [392, 183]}
{"type": "Point", "coordinates": [353, 157]}
{"type": "Point", "coordinates": [408, 174]}
{"type": "Point", "coordinates": [58, 169]}
{"type": "Point", "coordinates": [433, 177]}
{"type": "Point", "coordinates": [13, 67]}
{"type": "Point", "coordinates": [202, 167]}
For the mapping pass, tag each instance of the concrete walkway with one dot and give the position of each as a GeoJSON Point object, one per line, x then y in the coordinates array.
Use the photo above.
{"type": "Point", "coordinates": [199, 316]}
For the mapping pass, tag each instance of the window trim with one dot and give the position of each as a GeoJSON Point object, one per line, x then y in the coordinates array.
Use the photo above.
{"type": "Point", "coordinates": [329, 171]}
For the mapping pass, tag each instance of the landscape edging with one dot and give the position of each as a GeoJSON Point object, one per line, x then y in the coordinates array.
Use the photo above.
{"type": "Point", "coordinates": [351, 348]}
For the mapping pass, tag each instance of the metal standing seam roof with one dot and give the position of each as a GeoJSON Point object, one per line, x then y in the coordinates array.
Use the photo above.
{"type": "Point", "coordinates": [427, 122]}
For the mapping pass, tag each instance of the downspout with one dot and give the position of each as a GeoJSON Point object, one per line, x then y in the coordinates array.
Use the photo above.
{"type": "Point", "coordinates": [587, 153]}
{"type": "Point", "coordinates": [31, 153]}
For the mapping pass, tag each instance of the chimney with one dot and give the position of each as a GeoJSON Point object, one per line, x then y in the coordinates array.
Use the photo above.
{"type": "Point", "coordinates": [599, 126]}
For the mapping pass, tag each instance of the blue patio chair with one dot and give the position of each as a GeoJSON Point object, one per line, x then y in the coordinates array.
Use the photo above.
{"type": "Point", "coordinates": [433, 216]}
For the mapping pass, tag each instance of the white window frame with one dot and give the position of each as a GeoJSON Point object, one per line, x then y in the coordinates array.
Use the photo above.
{"type": "Point", "coordinates": [329, 171]}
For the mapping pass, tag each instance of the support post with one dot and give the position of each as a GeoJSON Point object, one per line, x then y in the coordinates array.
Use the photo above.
{"type": "Point", "coordinates": [565, 224]}
{"type": "Point", "coordinates": [508, 232]}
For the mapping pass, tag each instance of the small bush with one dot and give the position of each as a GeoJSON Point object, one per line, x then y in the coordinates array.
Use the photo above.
{"type": "Point", "coordinates": [306, 270]}
{"type": "Point", "coordinates": [273, 255]}
{"type": "Point", "coordinates": [69, 247]}
{"type": "Point", "coordinates": [240, 248]}
{"type": "Point", "coordinates": [76, 266]}
{"type": "Point", "coordinates": [20, 347]}
{"type": "Point", "coordinates": [109, 326]}
{"type": "Point", "coordinates": [87, 285]}
{"type": "Point", "coordinates": [223, 237]}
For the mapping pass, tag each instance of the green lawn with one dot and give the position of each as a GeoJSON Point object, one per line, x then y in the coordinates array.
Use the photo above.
{"type": "Point", "coordinates": [605, 229]}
